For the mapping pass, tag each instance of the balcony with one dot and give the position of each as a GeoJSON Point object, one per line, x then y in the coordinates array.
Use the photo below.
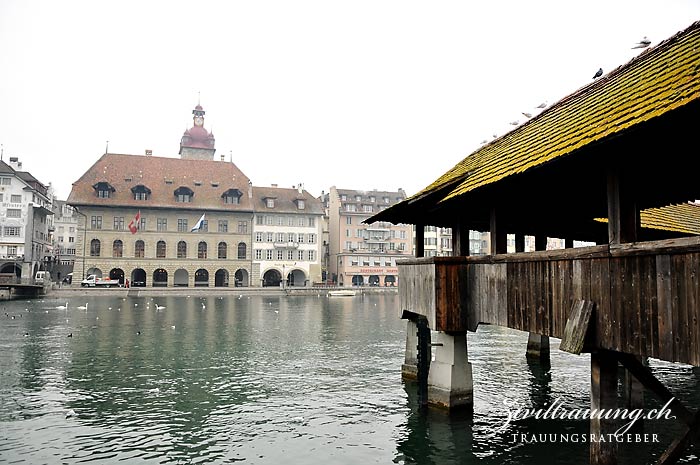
{"type": "Point", "coordinates": [286, 245]}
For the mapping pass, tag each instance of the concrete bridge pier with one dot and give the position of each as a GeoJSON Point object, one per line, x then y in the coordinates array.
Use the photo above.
{"type": "Point", "coordinates": [450, 383]}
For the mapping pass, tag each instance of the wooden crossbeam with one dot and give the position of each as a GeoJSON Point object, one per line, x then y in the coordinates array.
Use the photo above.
{"type": "Point", "coordinates": [690, 420]}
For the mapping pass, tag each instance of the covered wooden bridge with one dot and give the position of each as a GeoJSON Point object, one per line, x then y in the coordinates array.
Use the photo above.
{"type": "Point", "coordinates": [616, 164]}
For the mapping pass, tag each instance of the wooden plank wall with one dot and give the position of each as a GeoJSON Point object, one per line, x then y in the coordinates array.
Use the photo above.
{"type": "Point", "coordinates": [644, 304]}
{"type": "Point", "coordinates": [646, 295]}
{"type": "Point", "coordinates": [417, 289]}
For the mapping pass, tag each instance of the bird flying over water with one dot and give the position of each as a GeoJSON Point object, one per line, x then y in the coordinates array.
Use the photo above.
{"type": "Point", "coordinates": [598, 73]}
{"type": "Point", "coordinates": [644, 43]}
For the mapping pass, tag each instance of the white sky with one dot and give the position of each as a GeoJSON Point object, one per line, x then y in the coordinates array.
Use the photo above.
{"type": "Point", "coordinates": [358, 94]}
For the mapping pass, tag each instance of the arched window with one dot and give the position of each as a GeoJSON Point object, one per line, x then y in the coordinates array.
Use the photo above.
{"type": "Point", "coordinates": [95, 248]}
{"type": "Point", "coordinates": [222, 249]}
{"type": "Point", "coordinates": [182, 249]}
{"type": "Point", "coordinates": [184, 194]}
{"type": "Point", "coordinates": [241, 250]}
{"type": "Point", "coordinates": [139, 249]}
{"type": "Point", "coordinates": [160, 249]}
{"type": "Point", "coordinates": [202, 250]}
{"type": "Point", "coordinates": [117, 249]}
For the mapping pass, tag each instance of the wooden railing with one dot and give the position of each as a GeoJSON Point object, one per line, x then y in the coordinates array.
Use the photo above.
{"type": "Point", "coordinates": [646, 295]}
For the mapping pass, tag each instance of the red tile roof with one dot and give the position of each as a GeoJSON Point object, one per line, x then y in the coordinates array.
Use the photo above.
{"type": "Point", "coordinates": [207, 179]}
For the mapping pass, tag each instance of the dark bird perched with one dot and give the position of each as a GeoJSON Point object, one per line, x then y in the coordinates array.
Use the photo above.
{"type": "Point", "coordinates": [644, 43]}
{"type": "Point", "coordinates": [598, 73]}
{"type": "Point", "coordinates": [527, 115]}
{"type": "Point", "coordinates": [542, 105]}
{"type": "Point", "coordinates": [513, 123]}
{"type": "Point", "coordinates": [70, 335]}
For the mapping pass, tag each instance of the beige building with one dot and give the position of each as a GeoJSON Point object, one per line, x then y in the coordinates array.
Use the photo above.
{"type": "Point", "coordinates": [287, 236]}
{"type": "Point", "coordinates": [139, 218]}
{"type": "Point", "coordinates": [365, 254]}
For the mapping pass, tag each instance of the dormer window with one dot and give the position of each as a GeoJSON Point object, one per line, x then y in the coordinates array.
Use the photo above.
{"type": "Point", "coordinates": [103, 190]}
{"type": "Point", "coordinates": [232, 196]}
{"type": "Point", "coordinates": [141, 192]}
{"type": "Point", "coordinates": [184, 194]}
{"type": "Point", "coordinates": [386, 199]}
{"type": "Point", "coordinates": [270, 202]}
{"type": "Point", "coordinates": [301, 204]}
{"type": "Point", "coordinates": [343, 197]}
{"type": "Point", "coordinates": [372, 199]}
{"type": "Point", "coordinates": [358, 198]}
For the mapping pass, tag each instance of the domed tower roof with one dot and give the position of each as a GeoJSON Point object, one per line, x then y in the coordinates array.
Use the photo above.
{"type": "Point", "coordinates": [197, 142]}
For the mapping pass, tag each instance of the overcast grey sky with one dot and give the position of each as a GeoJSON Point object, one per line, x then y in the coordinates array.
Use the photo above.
{"type": "Point", "coordinates": [357, 94]}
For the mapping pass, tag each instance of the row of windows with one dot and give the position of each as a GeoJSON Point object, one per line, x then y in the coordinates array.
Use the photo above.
{"type": "Point", "coordinates": [13, 231]}
{"type": "Point", "coordinates": [285, 237]}
{"type": "Point", "coordinates": [364, 233]}
{"type": "Point", "coordinates": [281, 220]}
{"type": "Point", "coordinates": [270, 203]}
{"type": "Point", "coordinates": [372, 198]}
{"type": "Point", "coordinates": [14, 198]}
{"type": "Point", "coordinates": [349, 245]}
{"type": "Point", "coordinates": [371, 261]}
{"type": "Point", "coordinates": [182, 194]}
{"type": "Point", "coordinates": [162, 225]}
{"type": "Point", "coordinates": [70, 239]}
{"type": "Point", "coordinates": [140, 249]}
{"type": "Point", "coordinates": [300, 255]}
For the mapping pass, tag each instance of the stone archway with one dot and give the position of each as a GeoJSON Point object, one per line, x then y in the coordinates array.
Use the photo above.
{"type": "Point", "coordinates": [181, 278]}
{"type": "Point", "coordinates": [96, 271]}
{"type": "Point", "coordinates": [358, 280]}
{"type": "Point", "coordinates": [138, 278]}
{"type": "Point", "coordinates": [296, 278]}
{"type": "Point", "coordinates": [241, 278]}
{"type": "Point", "coordinates": [221, 278]}
{"type": "Point", "coordinates": [11, 268]}
{"type": "Point", "coordinates": [374, 280]}
{"type": "Point", "coordinates": [117, 273]}
{"type": "Point", "coordinates": [160, 278]}
{"type": "Point", "coordinates": [201, 278]}
{"type": "Point", "coordinates": [390, 280]}
{"type": "Point", "coordinates": [272, 278]}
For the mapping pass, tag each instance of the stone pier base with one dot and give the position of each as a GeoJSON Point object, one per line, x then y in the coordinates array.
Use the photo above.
{"type": "Point", "coordinates": [409, 369]}
{"type": "Point", "coordinates": [450, 383]}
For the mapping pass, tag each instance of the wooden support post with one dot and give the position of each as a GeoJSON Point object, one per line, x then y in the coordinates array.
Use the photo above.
{"type": "Point", "coordinates": [568, 243]}
{"type": "Point", "coordinates": [623, 226]}
{"type": "Point", "coordinates": [498, 236]}
{"type": "Point", "coordinates": [603, 396]}
{"type": "Point", "coordinates": [420, 240]}
{"type": "Point", "coordinates": [537, 344]}
{"type": "Point", "coordinates": [519, 243]}
{"type": "Point", "coordinates": [460, 240]}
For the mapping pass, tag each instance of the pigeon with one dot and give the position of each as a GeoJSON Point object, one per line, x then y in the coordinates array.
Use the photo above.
{"type": "Point", "coordinates": [483, 142]}
{"type": "Point", "coordinates": [598, 73]}
{"type": "Point", "coordinates": [527, 115]}
{"type": "Point", "coordinates": [542, 105]}
{"type": "Point", "coordinates": [644, 43]}
{"type": "Point", "coordinates": [513, 123]}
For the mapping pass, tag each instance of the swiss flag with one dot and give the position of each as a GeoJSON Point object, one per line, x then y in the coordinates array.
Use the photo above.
{"type": "Point", "coordinates": [134, 225]}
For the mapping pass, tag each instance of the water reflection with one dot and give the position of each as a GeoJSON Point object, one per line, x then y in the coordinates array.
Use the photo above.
{"type": "Point", "coordinates": [270, 380]}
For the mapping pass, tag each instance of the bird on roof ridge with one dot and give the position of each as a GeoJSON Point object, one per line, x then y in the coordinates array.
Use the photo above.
{"type": "Point", "coordinates": [542, 105]}
{"type": "Point", "coordinates": [644, 43]}
{"type": "Point", "coordinates": [526, 115]}
{"type": "Point", "coordinates": [598, 73]}
{"type": "Point", "coordinates": [514, 123]}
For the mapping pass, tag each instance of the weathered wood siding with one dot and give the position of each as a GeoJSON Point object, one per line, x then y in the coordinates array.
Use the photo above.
{"type": "Point", "coordinates": [646, 295]}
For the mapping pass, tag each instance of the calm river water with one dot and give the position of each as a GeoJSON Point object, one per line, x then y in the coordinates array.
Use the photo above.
{"type": "Point", "coordinates": [294, 380]}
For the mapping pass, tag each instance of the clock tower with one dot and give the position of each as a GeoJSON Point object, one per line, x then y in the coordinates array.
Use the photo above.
{"type": "Point", "coordinates": [197, 143]}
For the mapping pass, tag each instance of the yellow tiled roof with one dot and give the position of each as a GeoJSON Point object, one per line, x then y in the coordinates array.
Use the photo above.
{"type": "Point", "coordinates": [657, 81]}
{"type": "Point", "coordinates": [683, 218]}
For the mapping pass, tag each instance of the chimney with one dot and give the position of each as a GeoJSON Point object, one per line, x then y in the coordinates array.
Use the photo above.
{"type": "Point", "coordinates": [222, 157]}
{"type": "Point", "coordinates": [301, 188]}
{"type": "Point", "coordinates": [149, 153]}
{"type": "Point", "coordinates": [250, 189]}
{"type": "Point", "coordinates": [274, 185]}
{"type": "Point", "coordinates": [15, 163]}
